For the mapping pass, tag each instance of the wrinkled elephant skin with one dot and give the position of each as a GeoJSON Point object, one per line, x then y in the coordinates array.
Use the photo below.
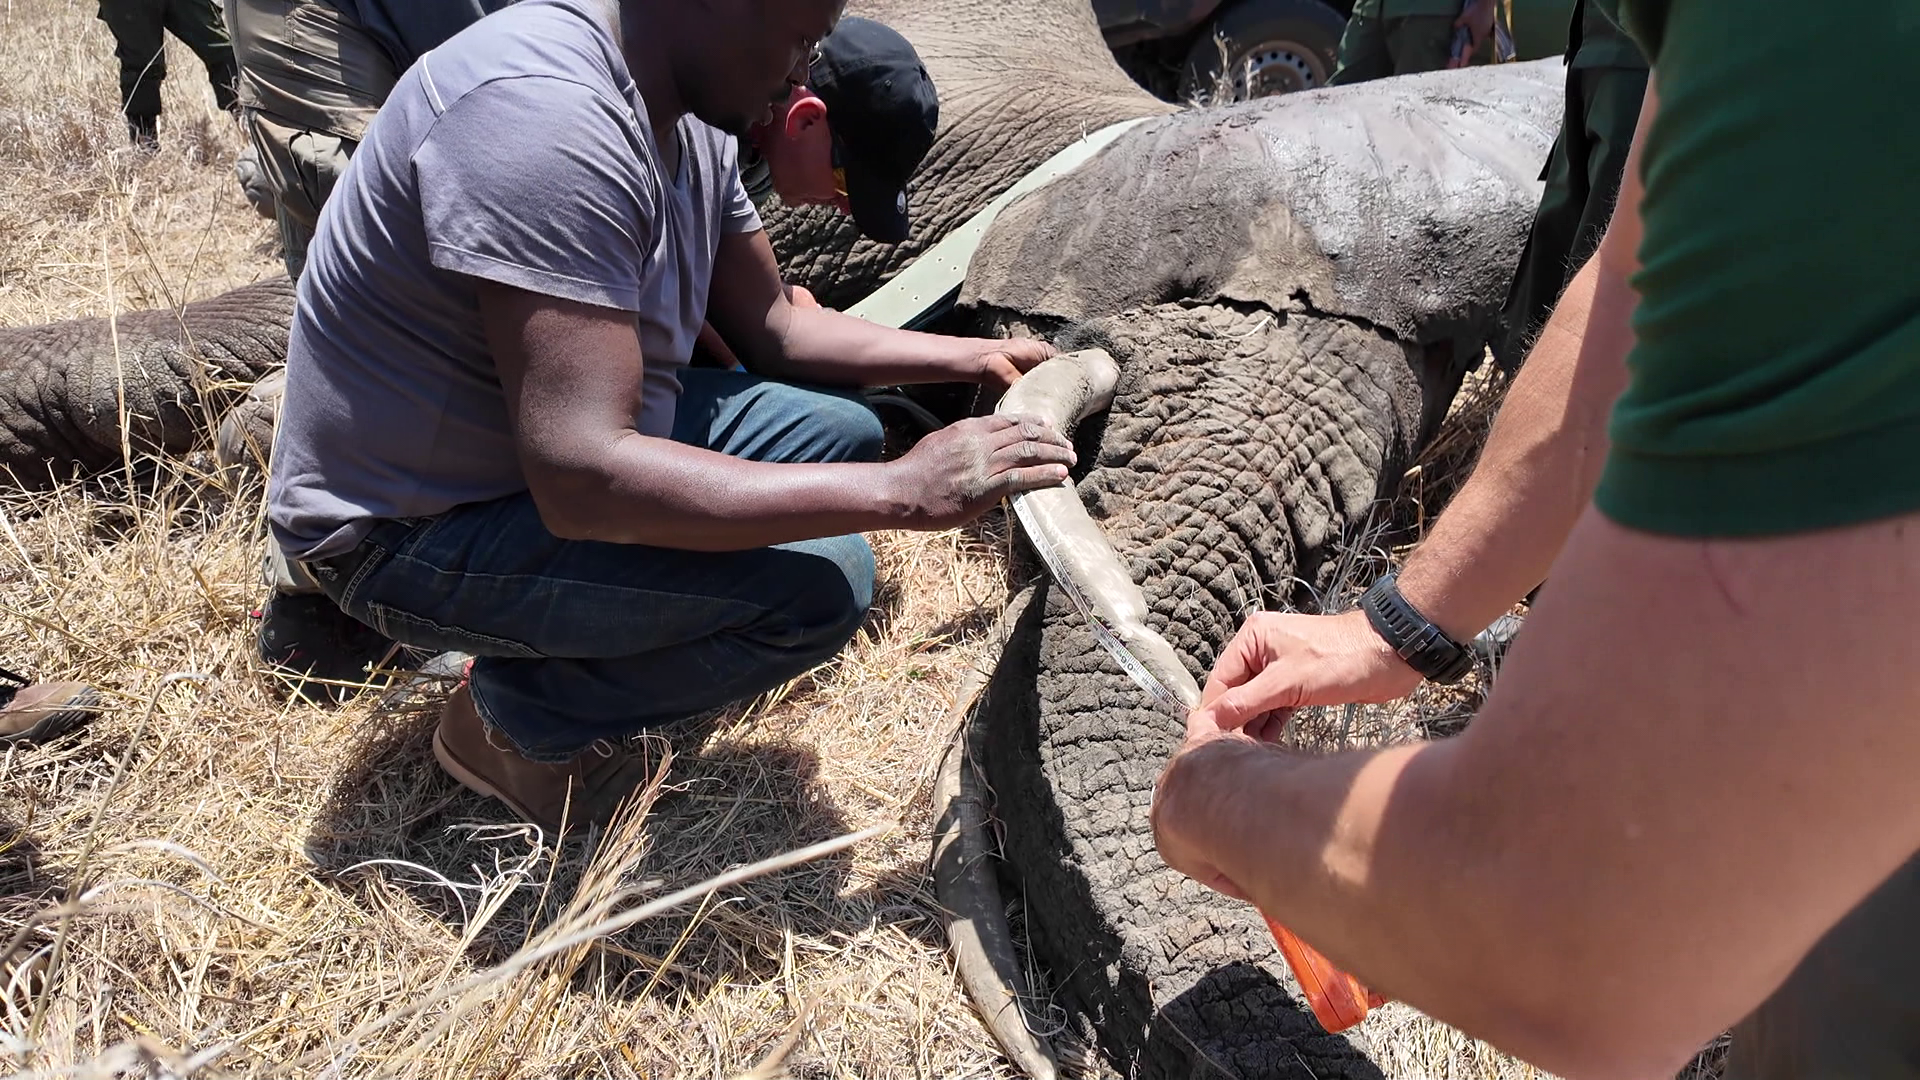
{"type": "Point", "coordinates": [1291, 289]}
{"type": "Point", "coordinates": [65, 386]}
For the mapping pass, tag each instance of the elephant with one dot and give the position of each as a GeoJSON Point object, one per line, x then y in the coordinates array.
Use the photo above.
{"type": "Point", "coordinates": [1291, 290]}
{"type": "Point", "coordinates": [64, 386]}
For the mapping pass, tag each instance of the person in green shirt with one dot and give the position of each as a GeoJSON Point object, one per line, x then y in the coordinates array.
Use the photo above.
{"type": "Point", "coordinates": [1606, 78]}
{"type": "Point", "coordinates": [1687, 804]}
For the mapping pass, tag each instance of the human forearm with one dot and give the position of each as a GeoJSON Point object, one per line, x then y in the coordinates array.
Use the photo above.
{"type": "Point", "coordinates": [1537, 471]}
{"type": "Point", "coordinates": [665, 494]}
{"type": "Point", "coordinates": [831, 348]}
{"type": "Point", "coordinates": [630, 488]}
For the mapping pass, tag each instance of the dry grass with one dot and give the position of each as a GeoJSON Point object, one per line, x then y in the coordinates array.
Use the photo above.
{"type": "Point", "coordinates": [236, 885]}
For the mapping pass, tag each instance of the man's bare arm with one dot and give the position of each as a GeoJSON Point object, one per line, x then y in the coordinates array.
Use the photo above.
{"type": "Point", "coordinates": [774, 337]}
{"type": "Point", "coordinates": [1685, 776]}
{"type": "Point", "coordinates": [572, 375]}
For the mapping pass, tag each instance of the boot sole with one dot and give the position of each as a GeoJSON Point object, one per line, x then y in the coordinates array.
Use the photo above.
{"type": "Point", "coordinates": [473, 781]}
{"type": "Point", "coordinates": [75, 712]}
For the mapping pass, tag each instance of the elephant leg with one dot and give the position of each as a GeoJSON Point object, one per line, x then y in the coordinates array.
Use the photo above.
{"type": "Point", "coordinates": [77, 396]}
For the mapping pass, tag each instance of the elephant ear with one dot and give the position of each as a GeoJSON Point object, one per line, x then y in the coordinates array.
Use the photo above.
{"type": "Point", "coordinates": [1401, 203]}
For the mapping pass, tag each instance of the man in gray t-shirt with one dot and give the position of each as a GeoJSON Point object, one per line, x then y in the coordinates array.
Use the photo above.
{"type": "Point", "coordinates": [491, 439]}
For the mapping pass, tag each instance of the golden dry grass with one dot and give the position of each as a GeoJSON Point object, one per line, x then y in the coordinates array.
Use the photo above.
{"type": "Point", "coordinates": [268, 889]}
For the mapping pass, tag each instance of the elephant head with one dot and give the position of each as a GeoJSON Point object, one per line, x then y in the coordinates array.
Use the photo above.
{"type": "Point", "coordinates": [1292, 289]}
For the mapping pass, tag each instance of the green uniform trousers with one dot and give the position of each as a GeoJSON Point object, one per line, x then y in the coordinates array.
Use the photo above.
{"type": "Point", "coordinates": [311, 80]}
{"type": "Point", "coordinates": [139, 28]}
{"type": "Point", "coordinates": [1374, 47]}
{"type": "Point", "coordinates": [1583, 181]}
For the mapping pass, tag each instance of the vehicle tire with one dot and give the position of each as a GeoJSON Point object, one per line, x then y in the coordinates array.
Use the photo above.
{"type": "Point", "coordinates": [1277, 46]}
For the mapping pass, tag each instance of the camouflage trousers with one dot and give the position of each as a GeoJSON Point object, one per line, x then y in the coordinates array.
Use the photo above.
{"type": "Point", "coordinates": [311, 80]}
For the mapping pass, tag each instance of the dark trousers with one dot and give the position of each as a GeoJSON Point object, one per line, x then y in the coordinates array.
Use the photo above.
{"type": "Point", "coordinates": [579, 640]}
{"type": "Point", "coordinates": [1583, 182]}
{"type": "Point", "coordinates": [139, 28]}
{"type": "Point", "coordinates": [1852, 1008]}
{"type": "Point", "coordinates": [1374, 48]}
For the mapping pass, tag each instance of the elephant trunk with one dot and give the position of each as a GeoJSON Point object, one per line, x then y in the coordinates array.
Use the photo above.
{"type": "Point", "coordinates": [77, 396]}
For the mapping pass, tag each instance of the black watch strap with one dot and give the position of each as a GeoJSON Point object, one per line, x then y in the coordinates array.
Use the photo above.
{"type": "Point", "coordinates": [1425, 647]}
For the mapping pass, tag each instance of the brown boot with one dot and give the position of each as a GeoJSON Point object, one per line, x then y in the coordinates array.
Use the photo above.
{"type": "Point", "coordinates": [586, 788]}
{"type": "Point", "coordinates": [35, 712]}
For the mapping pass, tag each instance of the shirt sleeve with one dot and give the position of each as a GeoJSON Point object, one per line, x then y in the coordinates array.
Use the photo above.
{"type": "Point", "coordinates": [535, 182]}
{"type": "Point", "coordinates": [738, 213]}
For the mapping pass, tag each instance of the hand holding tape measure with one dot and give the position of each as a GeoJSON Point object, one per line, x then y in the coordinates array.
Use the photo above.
{"type": "Point", "coordinates": [1338, 1000]}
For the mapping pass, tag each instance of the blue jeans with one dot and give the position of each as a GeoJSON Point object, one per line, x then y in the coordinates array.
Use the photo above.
{"type": "Point", "coordinates": [579, 640]}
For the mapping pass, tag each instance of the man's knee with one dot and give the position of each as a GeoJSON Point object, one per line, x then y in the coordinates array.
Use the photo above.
{"type": "Point", "coordinates": [850, 429]}
{"type": "Point", "coordinates": [830, 602]}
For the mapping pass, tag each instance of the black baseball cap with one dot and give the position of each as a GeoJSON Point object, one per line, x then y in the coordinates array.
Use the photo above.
{"type": "Point", "coordinates": [883, 112]}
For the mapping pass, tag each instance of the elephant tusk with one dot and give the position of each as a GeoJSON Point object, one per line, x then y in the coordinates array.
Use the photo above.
{"type": "Point", "coordinates": [1064, 391]}
{"type": "Point", "coordinates": [964, 881]}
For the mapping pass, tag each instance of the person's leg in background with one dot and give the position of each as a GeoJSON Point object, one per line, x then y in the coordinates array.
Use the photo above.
{"type": "Point", "coordinates": [199, 26]}
{"type": "Point", "coordinates": [311, 79]}
{"type": "Point", "coordinates": [1582, 183]}
{"type": "Point", "coordinates": [1612, 96]}
{"type": "Point", "coordinates": [582, 643]}
{"type": "Point", "coordinates": [1420, 43]}
{"type": "Point", "coordinates": [139, 28]}
{"type": "Point", "coordinates": [1363, 48]}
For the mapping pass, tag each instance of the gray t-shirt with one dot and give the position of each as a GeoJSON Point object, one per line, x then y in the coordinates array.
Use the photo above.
{"type": "Point", "coordinates": [518, 152]}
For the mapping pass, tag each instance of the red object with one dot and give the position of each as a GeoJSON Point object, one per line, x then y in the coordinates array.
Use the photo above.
{"type": "Point", "coordinates": [1337, 998]}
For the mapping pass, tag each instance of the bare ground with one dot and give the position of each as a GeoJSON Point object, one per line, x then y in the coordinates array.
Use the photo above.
{"type": "Point", "coordinates": [207, 880]}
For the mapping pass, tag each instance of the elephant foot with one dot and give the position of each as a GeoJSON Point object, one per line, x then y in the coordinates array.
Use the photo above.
{"type": "Point", "coordinates": [245, 437]}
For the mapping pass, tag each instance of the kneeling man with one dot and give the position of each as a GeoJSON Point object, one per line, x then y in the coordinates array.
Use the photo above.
{"type": "Point", "coordinates": [491, 439]}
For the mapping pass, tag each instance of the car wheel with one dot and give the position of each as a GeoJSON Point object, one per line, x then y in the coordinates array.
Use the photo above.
{"type": "Point", "coordinates": [1258, 48]}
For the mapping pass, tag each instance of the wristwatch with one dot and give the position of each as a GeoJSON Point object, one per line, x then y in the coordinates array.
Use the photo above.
{"type": "Point", "coordinates": [1425, 647]}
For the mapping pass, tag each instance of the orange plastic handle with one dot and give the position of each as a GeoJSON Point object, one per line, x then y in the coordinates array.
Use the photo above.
{"type": "Point", "coordinates": [1337, 998]}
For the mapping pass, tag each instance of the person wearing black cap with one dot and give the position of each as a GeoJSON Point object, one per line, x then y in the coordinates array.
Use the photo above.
{"type": "Point", "coordinates": [853, 135]}
{"type": "Point", "coordinates": [849, 139]}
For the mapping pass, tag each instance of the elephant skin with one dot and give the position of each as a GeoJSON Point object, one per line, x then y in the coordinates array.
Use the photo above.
{"type": "Point", "coordinates": [1292, 289]}
{"type": "Point", "coordinates": [61, 384]}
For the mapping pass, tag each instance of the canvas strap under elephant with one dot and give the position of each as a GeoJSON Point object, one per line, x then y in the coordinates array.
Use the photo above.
{"type": "Point", "coordinates": [1292, 289]}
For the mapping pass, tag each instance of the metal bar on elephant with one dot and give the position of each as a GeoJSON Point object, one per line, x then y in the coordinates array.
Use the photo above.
{"type": "Point", "coordinates": [926, 289]}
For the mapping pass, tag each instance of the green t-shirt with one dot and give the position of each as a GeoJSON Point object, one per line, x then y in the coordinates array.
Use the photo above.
{"type": "Point", "coordinates": [1775, 379]}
